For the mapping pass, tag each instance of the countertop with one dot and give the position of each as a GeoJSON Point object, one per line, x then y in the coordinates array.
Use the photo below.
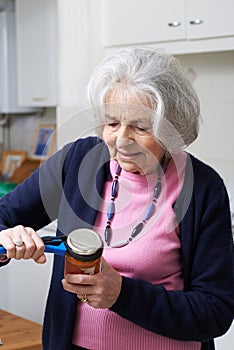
{"type": "Point", "coordinates": [17, 333]}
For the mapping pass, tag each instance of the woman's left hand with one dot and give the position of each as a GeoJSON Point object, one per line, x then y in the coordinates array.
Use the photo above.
{"type": "Point", "coordinates": [101, 290]}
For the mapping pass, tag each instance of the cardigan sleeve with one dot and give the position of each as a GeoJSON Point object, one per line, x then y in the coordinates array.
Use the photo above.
{"type": "Point", "coordinates": [205, 308]}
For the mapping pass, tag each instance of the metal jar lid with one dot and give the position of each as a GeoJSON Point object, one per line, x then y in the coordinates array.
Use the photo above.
{"type": "Point", "coordinates": [84, 244]}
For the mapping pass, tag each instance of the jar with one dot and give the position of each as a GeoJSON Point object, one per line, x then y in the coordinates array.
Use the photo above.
{"type": "Point", "coordinates": [84, 251]}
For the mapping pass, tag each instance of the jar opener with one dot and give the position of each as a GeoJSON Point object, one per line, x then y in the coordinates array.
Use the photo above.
{"type": "Point", "coordinates": [53, 244]}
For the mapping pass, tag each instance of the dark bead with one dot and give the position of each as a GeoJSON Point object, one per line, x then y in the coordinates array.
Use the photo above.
{"type": "Point", "coordinates": [108, 233]}
{"type": "Point", "coordinates": [157, 189]}
{"type": "Point", "coordinates": [118, 169]}
{"type": "Point", "coordinates": [115, 188]}
{"type": "Point", "coordinates": [137, 229]}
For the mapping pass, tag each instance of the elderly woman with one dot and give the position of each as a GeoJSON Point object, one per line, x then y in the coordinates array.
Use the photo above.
{"type": "Point", "coordinates": [167, 268]}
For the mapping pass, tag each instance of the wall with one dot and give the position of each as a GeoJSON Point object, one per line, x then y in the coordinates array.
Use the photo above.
{"type": "Point", "coordinates": [213, 75]}
{"type": "Point", "coordinates": [79, 52]}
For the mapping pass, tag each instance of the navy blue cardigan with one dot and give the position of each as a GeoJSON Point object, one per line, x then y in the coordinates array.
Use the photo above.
{"type": "Point", "coordinates": [67, 187]}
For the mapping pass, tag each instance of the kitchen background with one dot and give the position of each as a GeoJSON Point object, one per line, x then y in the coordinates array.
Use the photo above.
{"type": "Point", "coordinates": [48, 49]}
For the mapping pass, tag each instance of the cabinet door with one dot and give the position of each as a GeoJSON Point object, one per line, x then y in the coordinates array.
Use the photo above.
{"type": "Point", "coordinates": [210, 19]}
{"type": "Point", "coordinates": [8, 76]}
{"type": "Point", "coordinates": [142, 21]}
{"type": "Point", "coordinates": [36, 52]}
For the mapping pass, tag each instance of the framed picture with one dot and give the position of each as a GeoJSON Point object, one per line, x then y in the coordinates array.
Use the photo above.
{"type": "Point", "coordinates": [44, 143]}
{"type": "Point", "coordinates": [25, 170]}
{"type": "Point", "coordinates": [11, 160]}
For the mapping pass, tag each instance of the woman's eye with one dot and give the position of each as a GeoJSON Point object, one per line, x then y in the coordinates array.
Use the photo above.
{"type": "Point", "coordinates": [113, 125]}
{"type": "Point", "coordinates": [142, 129]}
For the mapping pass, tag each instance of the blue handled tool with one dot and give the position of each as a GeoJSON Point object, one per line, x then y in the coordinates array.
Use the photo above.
{"type": "Point", "coordinates": [53, 244]}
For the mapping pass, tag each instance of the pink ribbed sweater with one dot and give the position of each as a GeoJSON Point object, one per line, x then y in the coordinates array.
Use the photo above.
{"type": "Point", "coordinates": [154, 256]}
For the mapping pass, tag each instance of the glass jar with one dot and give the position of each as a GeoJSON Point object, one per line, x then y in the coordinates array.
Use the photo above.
{"type": "Point", "coordinates": [84, 251]}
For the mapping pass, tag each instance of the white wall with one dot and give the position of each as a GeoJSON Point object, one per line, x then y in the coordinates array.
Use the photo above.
{"type": "Point", "coordinates": [213, 75]}
{"type": "Point", "coordinates": [79, 51]}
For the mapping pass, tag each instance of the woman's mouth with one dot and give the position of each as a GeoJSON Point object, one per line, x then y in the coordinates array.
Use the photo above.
{"type": "Point", "coordinates": [127, 156]}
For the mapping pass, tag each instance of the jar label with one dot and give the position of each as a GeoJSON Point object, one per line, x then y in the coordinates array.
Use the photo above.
{"type": "Point", "coordinates": [89, 270]}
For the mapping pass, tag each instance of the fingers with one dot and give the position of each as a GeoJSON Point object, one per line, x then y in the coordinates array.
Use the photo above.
{"type": "Point", "coordinates": [34, 246]}
{"type": "Point", "coordinates": [101, 289]}
{"type": "Point", "coordinates": [7, 241]}
{"type": "Point", "coordinates": [23, 243]}
{"type": "Point", "coordinates": [79, 284]}
{"type": "Point", "coordinates": [87, 294]}
{"type": "Point", "coordinates": [41, 259]}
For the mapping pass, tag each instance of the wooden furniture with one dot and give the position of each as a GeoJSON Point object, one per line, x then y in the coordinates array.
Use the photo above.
{"type": "Point", "coordinates": [17, 333]}
{"type": "Point", "coordinates": [25, 170]}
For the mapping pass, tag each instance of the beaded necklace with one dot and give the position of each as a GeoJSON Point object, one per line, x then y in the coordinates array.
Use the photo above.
{"type": "Point", "coordinates": [150, 209]}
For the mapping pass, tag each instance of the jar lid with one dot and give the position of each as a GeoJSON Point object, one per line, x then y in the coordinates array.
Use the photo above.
{"type": "Point", "coordinates": [84, 241]}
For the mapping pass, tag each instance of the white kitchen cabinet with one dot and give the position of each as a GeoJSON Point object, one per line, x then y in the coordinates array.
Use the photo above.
{"type": "Point", "coordinates": [177, 25]}
{"type": "Point", "coordinates": [8, 77]}
{"type": "Point", "coordinates": [210, 19]}
{"type": "Point", "coordinates": [142, 21]}
{"type": "Point", "coordinates": [36, 24]}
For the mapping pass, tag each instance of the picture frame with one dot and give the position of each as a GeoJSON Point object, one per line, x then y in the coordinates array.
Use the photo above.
{"type": "Point", "coordinates": [25, 170]}
{"type": "Point", "coordinates": [11, 160]}
{"type": "Point", "coordinates": [44, 143]}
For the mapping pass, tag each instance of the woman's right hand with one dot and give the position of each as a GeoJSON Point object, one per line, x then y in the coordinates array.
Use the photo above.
{"type": "Point", "coordinates": [32, 246]}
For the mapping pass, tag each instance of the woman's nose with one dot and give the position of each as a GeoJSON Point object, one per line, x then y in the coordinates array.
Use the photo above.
{"type": "Point", "coordinates": [125, 131]}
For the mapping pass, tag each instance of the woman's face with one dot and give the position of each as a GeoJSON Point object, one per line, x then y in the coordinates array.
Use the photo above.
{"type": "Point", "coordinates": [128, 134]}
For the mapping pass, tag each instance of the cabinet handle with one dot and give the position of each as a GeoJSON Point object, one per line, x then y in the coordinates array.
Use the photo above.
{"type": "Point", "coordinates": [174, 24]}
{"type": "Point", "coordinates": [196, 21]}
{"type": "Point", "coordinates": [38, 98]}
